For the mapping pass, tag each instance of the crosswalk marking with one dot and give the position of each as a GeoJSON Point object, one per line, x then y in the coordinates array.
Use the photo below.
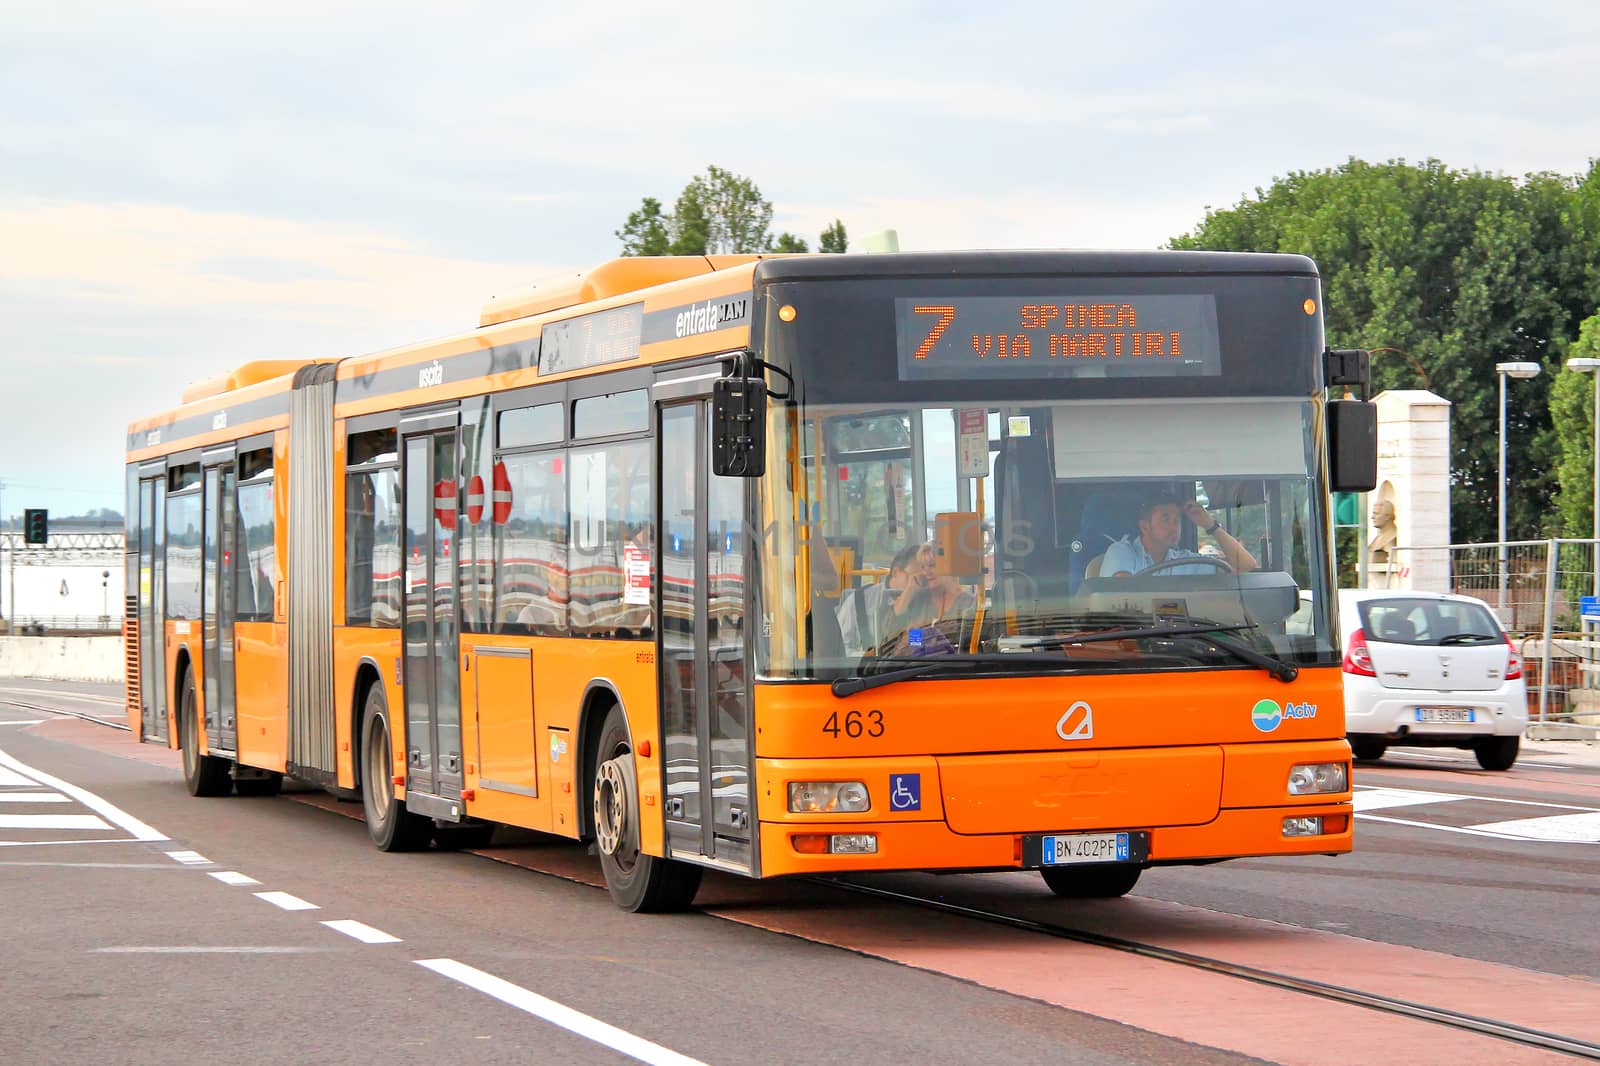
{"type": "Point", "coordinates": [1380, 799]}
{"type": "Point", "coordinates": [32, 797]}
{"type": "Point", "coordinates": [12, 779]}
{"type": "Point", "coordinates": [51, 821]}
{"type": "Point", "coordinates": [1565, 828]}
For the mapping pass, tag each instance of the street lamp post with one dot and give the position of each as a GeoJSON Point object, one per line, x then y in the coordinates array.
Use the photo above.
{"type": "Point", "coordinates": [1507, 370]}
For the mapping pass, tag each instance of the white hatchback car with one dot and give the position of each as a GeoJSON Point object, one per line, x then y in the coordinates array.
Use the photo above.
{"type": "Point", "coordinates": [1430, 669]}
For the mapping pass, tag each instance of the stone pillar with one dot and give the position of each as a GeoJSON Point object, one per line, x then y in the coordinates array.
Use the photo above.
{"type": "Point", "coordinates": [1413, 477]}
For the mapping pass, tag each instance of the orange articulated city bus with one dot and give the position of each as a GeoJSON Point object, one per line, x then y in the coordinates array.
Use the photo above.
{"type": "Point", "coordinates": [777, 566]}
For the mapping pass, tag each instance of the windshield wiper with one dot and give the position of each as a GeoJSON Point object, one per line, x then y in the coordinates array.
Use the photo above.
{"type": "Point", "coordinates": [1279, 669]}
{"type": "Point", "coordinates": [1467, 638]}
{"type": "Point", "coordinates": [849, 686]}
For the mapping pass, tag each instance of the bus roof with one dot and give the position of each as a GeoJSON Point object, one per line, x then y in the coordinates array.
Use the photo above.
{"type": "Point", "coordinates": [993, 263]}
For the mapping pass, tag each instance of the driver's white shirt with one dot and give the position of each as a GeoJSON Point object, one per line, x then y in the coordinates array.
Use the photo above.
{"type": "Point", "coordinates": [1129, 554]}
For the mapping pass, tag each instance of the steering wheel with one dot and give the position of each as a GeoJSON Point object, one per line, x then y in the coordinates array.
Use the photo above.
{"type": "Point", "coordinates": [1184, 560]}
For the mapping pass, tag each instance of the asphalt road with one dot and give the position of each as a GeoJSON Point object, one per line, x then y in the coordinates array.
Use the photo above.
{"type": "Point", "coordinates": [131, 939]}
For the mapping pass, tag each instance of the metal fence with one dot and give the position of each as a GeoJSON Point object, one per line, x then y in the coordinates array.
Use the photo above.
{"type": "Point", "coordinates": [69, 585]}
{"type": "Point", "coordinates": [1537, 588]}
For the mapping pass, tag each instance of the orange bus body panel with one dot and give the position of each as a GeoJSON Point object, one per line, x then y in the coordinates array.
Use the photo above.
{"type": "Point", "coordinates": [261, 681]}
{"type": "Point", "coordinates": [352, 647]}
{"type": "Point", "coordinates": [183, 638]}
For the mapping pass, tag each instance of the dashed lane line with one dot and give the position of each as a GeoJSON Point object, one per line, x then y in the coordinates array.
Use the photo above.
{"type": "Point", "coordinates": [286, 901]}
{"type": "Point", "coordinates": [361, 931]}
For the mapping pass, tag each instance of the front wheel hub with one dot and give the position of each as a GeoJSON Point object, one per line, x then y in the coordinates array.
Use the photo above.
{"type": "Point", "coordinates": [614, 808]}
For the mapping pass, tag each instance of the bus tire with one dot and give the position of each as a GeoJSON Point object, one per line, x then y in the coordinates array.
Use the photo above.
{"type": "Point", "coordinates": [637, 882]}
{"type": "Point", "coordinates": [391, 826]}
{"type": "Point", "coordinates": [1368, 749]}
{"type": "Point", "coordinates": [1091, 882]}
{"type": "Point", "coordinates": [203, 775]}
{"type": "Point", "coordinates": [1497, 753]}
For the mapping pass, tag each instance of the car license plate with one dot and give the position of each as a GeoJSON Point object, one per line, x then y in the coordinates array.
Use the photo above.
{"type": "Point", "coordinates": [1084, 847]}
{"type": "Point", "coordinates": [1444, 714]}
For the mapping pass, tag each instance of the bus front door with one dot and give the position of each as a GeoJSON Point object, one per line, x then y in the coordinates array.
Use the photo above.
{"type": "Point", "coordinates": [217, 603]}
{"type": "Point", "coordinates": [705, 712]}
{"type": "Point", "coordinates": [432, 685]}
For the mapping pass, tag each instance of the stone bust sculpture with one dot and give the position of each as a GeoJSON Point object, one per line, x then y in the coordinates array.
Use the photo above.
{"type": "Point", "coordinates": [1379, 547]}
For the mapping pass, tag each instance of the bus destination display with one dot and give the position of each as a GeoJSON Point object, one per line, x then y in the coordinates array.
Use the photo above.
{"type": "Point", "coordinates": [1111, 336]}
{"type": "Point", "coordinates": [590, 340]}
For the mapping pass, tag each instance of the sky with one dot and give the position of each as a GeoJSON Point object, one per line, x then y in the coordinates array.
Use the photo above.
{"type": "Point", "coordinates": [189, 186]}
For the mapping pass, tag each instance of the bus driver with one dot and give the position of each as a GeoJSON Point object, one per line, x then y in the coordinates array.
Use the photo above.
{"type": "Point", "coordinates": [1160, 530]}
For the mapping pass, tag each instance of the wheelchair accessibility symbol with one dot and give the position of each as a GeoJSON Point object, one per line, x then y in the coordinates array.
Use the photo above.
{"type": "Point", "coordinates": [905, 792]}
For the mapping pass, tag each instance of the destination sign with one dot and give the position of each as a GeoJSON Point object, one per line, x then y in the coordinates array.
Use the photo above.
{"type": "Point", "coordinates": [610, 336]}
{"type": "Point", "coordinates": [1106, 336]}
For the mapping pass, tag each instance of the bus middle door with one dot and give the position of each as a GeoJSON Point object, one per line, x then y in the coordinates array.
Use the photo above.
{"type": "Point", "coordinates": [432, 685]}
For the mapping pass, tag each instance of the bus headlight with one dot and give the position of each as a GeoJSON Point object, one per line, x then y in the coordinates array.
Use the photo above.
{"type": "Point", "coordinates": [1312, 779]}
{"type": "Point", "coordinates": [828, 797]}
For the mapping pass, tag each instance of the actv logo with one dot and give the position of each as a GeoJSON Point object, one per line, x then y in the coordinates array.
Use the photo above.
{"type": "Point", "coordinates": [1077, 723]}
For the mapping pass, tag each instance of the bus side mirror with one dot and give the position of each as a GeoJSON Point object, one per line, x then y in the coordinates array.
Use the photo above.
{"type": "Point", "coordinates": [1352, 446]}
{"type": "Point", "coordinates": [738, 427]}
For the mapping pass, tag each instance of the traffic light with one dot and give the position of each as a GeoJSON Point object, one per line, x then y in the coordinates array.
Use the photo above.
{"type": "Point", "coordinates": [1346, 509]}
{"type": "Point", "coordinates": [35, 525]}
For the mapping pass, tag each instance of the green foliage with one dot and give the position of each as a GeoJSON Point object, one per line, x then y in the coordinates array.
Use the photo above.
{"type": "Point", "coordinates": [691, 228]}
{"type": "Point", "coordinates": [788, 242]}
{"type": "Point", "coordinates": [833, 238]}
{"type": "Point", "coordinates": [1458, 270]}
{"type": "Point", "coordinates": [645, 232]}
{"type": "Point", "coordinates": [1572, 414]}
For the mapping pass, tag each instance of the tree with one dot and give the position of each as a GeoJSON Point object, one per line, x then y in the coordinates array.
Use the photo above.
{"type": "Point", "coordinates": [788, 242]}
{"type": "Point", "coordinates": [645, 232]}
{"type": "Point", "coordinates": [833, 238]}
{"type": "Point", "coordinates": [691, 229]}
{"type": "Point", "coordinates": [1572, 416]}
{"type": "Point", "coordinates": [1460, 270]}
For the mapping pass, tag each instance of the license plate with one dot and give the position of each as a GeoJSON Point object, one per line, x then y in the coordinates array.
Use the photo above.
{"type": "Point", "coordinates": [1444, 714]}
{"type": "Point", "coordinates": [1084, 847]}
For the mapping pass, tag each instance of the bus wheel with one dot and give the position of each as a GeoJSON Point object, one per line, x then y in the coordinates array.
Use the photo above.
{"type": "Point", "coordinates": [268, 785]}
{"type": "Point", "coordinates": [203, 775]}
{"type": "Point", "coordinates": [637, 882]}
{"type": "Point", "coordinates": [1091, 882]}
{"type": "Point", "coordinates": [391, 826]}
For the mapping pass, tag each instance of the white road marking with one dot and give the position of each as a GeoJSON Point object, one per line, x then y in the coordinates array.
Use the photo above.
{"type": "Point", "coordinates": [51, 821]}
{"type": "Point", "coordinates": [1566, 828]}
{"type": "Point", "coordinates": [1463, 830]}
{"type": "Point", "coordinates": [1377, 799]}
{"type": "Point", "coordinates": [27, 721]}
{"type": "Point", "coordinates": [573, 1021]}
{"type": "Point", "coordinates": [287, 902]}
{"type": "Point", "coordinates": [32, 797]}
{"type": "Point", "coordinates": [189, 858]}
{"type": "Point", "coordinates": [55, 843]}
{"type": "Point", "coordinates": [202, 949]}
{"type": "Point", "coordinates": [229, 877]}
{"type": "Point", "coordinates": [84, 697]}
{"type": "Point", "coordinates": [362, 932]}
{"type": "Point", "coordinates": [127, 822]}
{"type": "Point", "coordinates": [14, 780]}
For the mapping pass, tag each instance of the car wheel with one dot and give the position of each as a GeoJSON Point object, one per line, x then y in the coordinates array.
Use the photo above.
{"type": "Point", "coordinates": [1497, 753]}
{"type": "Point", "coordinates": [1368, 749]}
{"type": "Point", "coordinates": [1091, 882]}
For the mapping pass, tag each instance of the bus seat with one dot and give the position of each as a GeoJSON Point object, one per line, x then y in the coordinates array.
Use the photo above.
{"type": "Point", "coordinates": [1108, 515]}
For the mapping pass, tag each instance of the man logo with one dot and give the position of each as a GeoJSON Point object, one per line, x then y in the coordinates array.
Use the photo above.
{"type": "Point", "coordinates": [1077, 723]}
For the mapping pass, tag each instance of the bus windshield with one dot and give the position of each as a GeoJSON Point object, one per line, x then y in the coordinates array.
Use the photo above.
{"type": "Point", "coordinates": [991, 532]}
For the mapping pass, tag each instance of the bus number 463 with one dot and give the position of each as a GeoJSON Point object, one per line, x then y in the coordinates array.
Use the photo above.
{"type": "Point", "coordinates": [855, 724]}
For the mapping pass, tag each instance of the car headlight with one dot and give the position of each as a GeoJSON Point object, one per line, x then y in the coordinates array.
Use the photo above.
{"type": "Point", "coordinates": [828, 797]}
{"type": "Point", "coordinates": [1310, 779]}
